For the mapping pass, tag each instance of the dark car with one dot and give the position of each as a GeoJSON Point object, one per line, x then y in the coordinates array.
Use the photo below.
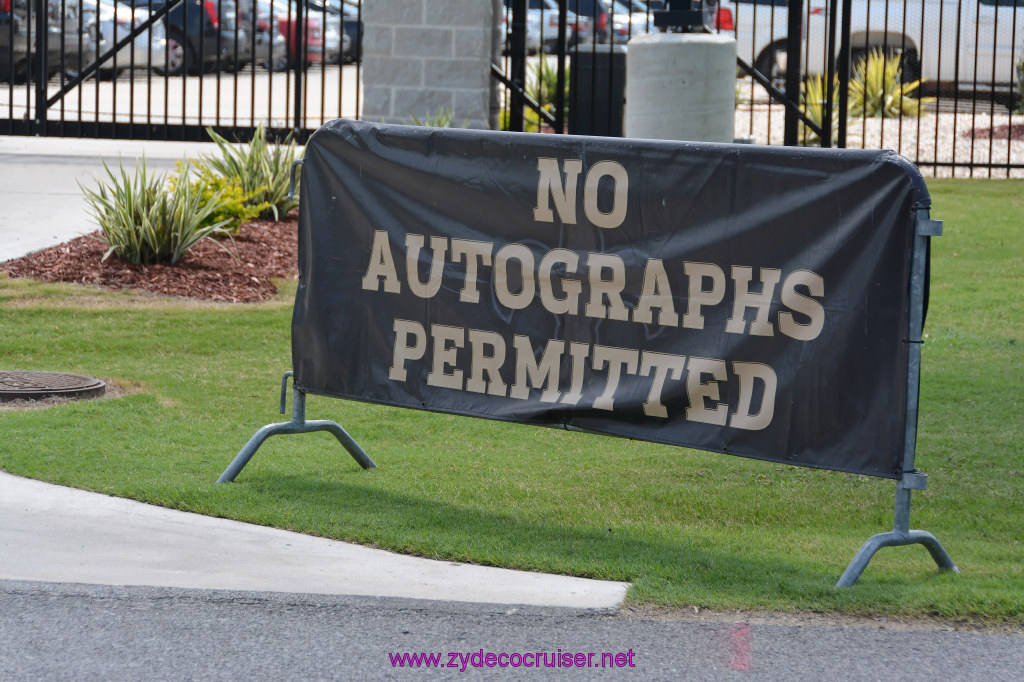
{"type": "Point", "coordinates": [353, 28]}
{"type": "Point", "coordinates": [599, 12]}
{"type": "Point", "coordinates": [345, 15]}
{"type": "Point", "coordinates": [201, 35]}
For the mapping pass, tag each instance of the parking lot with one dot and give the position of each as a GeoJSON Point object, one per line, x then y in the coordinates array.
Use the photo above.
{"type": "Point", "coordinates": [243, 99]}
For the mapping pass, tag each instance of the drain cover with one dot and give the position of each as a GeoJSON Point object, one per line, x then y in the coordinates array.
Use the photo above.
{"type": "Point", "coordinates": [39, 385]}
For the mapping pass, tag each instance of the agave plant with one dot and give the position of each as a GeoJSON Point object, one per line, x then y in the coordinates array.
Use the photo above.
{"type": "Point", "coordinates": [814, 105]}
{"type": "Point", "coordinates": [876, 90]}
{"type": "Point", "coordinates": [144, 222]}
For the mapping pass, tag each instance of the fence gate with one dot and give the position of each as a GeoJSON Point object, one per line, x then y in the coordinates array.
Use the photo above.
{"type": "Point", "coordinates": [168, 69]}
{"type": "Point", "coordinates": [961, 63]}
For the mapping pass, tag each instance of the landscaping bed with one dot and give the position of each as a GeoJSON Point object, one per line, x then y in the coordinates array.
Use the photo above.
{"type": "Point", "coordinates": [243, 269]}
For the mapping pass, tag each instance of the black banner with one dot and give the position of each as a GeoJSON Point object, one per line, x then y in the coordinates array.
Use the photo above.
{"type": "Point", "coordinates": [740, 299]}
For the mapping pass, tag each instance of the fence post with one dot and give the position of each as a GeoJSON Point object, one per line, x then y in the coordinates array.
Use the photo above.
{"type": "Point", "coordinates": [794, 28]}
{"type": "Point", "coordinates": [42, 30]}
{"type": "Point", "coordinates": [517, 67]}
{"type": "Point", "coordinates": [299, 61]}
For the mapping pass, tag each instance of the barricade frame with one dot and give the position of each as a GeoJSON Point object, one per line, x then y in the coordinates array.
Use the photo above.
{"type": "Point", "coordinates": [910, 478]}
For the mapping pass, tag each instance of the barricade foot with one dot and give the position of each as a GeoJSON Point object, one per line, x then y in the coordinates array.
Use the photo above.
{"type": "Point", "coordinates": [894, 539]}
{"type": "Point", "coordinates": [298, 424]}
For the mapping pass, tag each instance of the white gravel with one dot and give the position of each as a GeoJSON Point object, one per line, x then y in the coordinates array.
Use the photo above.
{"type": "Point", "coordinates": [930, 138]}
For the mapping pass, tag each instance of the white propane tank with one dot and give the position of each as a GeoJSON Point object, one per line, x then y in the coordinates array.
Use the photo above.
{"type": "Point", "coordinates": [681, 86]}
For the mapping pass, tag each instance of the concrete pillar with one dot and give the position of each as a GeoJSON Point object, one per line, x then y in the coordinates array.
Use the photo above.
{"type": "Point", "coordinates": [681, 86]}
{"type": "Point", "coordinates": [421, 57]}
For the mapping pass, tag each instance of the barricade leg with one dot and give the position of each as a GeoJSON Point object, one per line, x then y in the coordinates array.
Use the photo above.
{"type": "Point", "coordinates": [900, 535]}
{"type": "Point", "coordinates": [910, 479]}
{"type": "Point", "coordinates": [298, 424]}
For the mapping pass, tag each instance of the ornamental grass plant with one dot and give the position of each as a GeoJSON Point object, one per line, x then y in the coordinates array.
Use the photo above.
{"type": "Point", "coordinates": [442, 117]}
{"type": "Point", "coordinates": [542, 87]}
{"type": "Point", "coordinates": [142, 220]}
{"type": "Point", "coordinates": [261, 169]}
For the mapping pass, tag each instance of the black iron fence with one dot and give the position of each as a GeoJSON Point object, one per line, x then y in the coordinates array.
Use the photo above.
{"type": "Point", "coordinates": [946, 75]}
{"type": "Point", "coordinates": [167, 69]}
{"type": "Point", "coordinates": [939, 81]}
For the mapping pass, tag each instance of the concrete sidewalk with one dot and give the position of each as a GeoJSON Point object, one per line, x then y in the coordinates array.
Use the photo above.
{"type": "Point", "coordinates": [41, 203]}
{"type": "Point", "coordinates": [52, 533]}
{"type": "Point", "coordinates": [57, 534]}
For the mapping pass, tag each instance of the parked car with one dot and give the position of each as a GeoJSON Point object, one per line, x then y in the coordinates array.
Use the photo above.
{"type": "Point", "coordinates": [352, 51]}
{"type": "Point", "coordinates": [342, 27]}
{"type": "Point", "coordinates": [542, 25]}
{"type": "Point", "coordinates": [598, 13]}
{"type": "Point", "coordinates": [201, 35]}
{"type": "Point", "coordinates": [959, 43]}
{"type": "Point", "coordinates": [66, 45]}
{"type": "Point", "coordinates": [629, 18]}
{"type": "Point", "coordinates": [286, 18]}
{"type": "Point", "coordinates": [532, 40]}
{"type": "Point", "coordinates": [113, 21]}
{"type": "Point", "coordinates": [269, 47]}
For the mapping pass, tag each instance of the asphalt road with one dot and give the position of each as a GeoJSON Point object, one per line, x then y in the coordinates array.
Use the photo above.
{"type": "Point", "coordinates": [54, 631]}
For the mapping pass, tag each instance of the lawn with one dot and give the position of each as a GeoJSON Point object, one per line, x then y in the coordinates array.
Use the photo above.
{"type": "Point", "coordinates": [686, 528]}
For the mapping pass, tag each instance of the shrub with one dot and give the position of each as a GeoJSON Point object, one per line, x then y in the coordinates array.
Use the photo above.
{"type": "Point", "coordinates": [263, 171]}
{"type": "Point", "coordinates": [144, 222]}
{"type": "Point", "coordinates": [235, 206]}
{"type": "Point", "coordinates": [442, 118]}
{"type": "Point", "coordinates": [876, 90]}
{"type": "Point", "coordinates": [541, 86]}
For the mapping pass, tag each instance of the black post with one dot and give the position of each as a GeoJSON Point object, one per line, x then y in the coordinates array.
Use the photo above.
{"type": "Point", "coordinates": [794, 31]}
{"type": "Point", "coordinates": [517, 67]}
{"type": "Point", "coordinates": [843, 66]}
{"type": "Point", "coordinates": [41, 66]}
{"type": "Point", "coordinates": [301, 54]}
{"type": "Point", "coordinates": [830, 74]}
{"type": "Point", "coordinates": [563, 8]}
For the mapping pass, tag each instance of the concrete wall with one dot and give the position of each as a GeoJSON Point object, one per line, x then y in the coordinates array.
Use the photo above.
{"type": "Point", "coordinates": [424, 56]}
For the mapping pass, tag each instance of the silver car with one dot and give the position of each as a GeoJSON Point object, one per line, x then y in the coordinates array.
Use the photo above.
{"type": "Point", "coordinates": [67, 44]}
{"type": "Point", "coordinates": [112, 22]}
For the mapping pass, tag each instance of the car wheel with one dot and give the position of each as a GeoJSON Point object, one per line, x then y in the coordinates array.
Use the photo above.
{"type": "Point", "coordinates": [177, 53]}
{"type": "Point", "coordinates": [234, 67]}
{"type": "Point", "coordinates": [772, 63]}
{"type": "Point", "coordinates": [279, 63]}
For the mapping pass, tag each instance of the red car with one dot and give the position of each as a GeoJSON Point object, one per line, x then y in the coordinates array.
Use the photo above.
{"type": "Point", "coordinates": [314, 45]}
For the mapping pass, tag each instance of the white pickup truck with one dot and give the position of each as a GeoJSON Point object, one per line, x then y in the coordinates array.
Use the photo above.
{"type": "Point", "coordinates": [964, 44]}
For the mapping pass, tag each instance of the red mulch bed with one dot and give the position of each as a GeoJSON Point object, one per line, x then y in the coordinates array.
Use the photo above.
{"type": "Point", "coordinates": [238, 271]}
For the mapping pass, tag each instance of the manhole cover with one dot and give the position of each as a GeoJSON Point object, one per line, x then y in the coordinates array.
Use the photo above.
{"type": "Point", "coordinates": [39, 385]}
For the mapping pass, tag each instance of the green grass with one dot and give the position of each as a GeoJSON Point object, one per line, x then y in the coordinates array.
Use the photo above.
{"type": "Point", "coordinates": [687, 528]}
